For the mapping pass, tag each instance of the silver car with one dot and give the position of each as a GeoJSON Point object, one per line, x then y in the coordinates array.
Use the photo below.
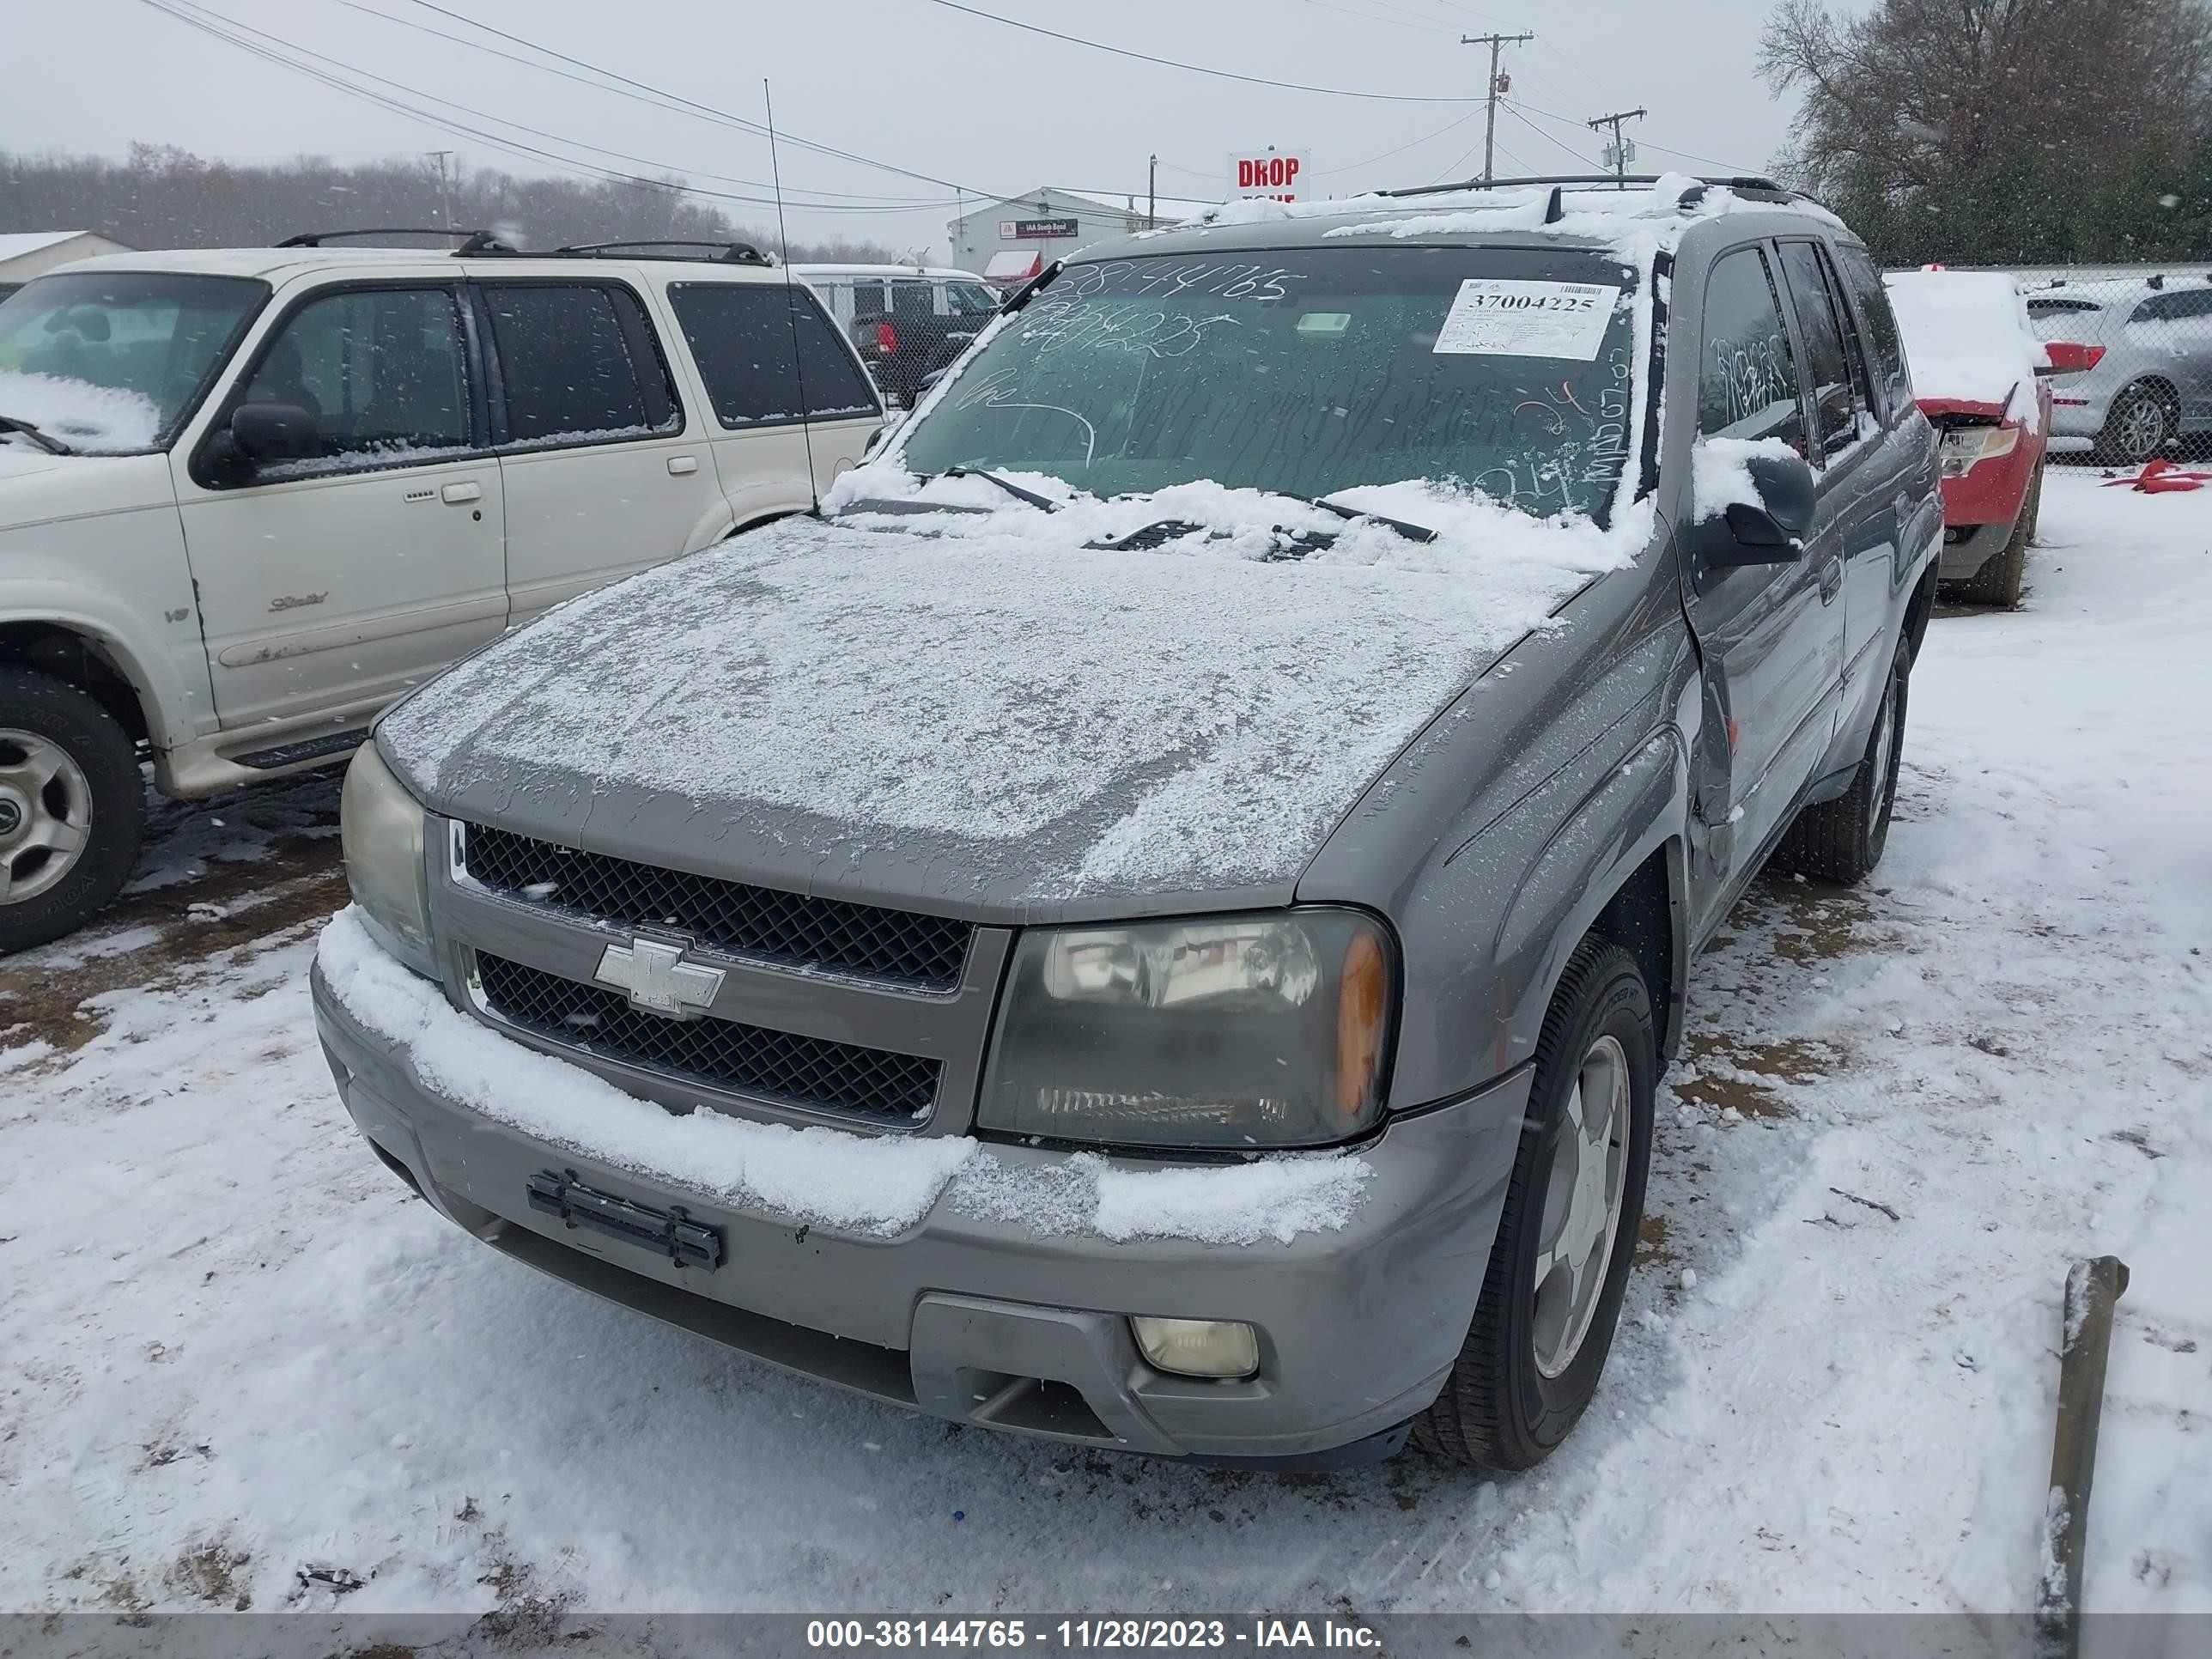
{"type": "Point", "coordinates": [2152, 383]}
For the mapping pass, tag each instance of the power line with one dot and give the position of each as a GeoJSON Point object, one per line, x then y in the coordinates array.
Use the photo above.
{"type": "Point", "coordinates": [867, 203]}
{"type": "Point", "coordinates": [1687, 155]}
{"type": "Point", "coordinates": [1194, 69]}
{"type": "Point", "coordinates": [644, 92]}
{"type": "Point", "coordinates": [1371, 17]}
{"type": "Point", "coordinates": [1354, 167]}
{"type": "Point", "coordinates": [1514, 110]}
{"type": "Point", "coordinates": [217, 27]}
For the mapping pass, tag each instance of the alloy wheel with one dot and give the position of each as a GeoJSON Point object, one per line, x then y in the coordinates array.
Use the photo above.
{"type": "Point", "coordinates": [45, 815]}
{"type": "Point", "coordinates": [1581, 1206]}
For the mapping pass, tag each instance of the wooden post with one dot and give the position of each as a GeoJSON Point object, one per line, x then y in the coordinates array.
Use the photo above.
{"type": "Point", "coordinates": [2092, 1289]}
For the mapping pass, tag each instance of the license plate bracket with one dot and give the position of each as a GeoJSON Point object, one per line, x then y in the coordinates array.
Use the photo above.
{"type": "Point", "coordinates": [670, 1232]}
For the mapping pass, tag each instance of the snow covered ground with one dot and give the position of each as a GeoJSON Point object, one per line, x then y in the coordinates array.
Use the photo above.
{"type": "Point", "coordinates": [245, 1367]}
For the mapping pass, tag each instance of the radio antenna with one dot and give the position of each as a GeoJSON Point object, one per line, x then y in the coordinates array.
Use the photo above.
{"type": "Point", "coordinates": [790, 298]}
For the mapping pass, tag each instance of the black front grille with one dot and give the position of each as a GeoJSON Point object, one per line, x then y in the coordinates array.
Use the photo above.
{"type": "Point", "coordinates": [784, 928]}
{"type": "Point", "coordinates": [800, 1071]}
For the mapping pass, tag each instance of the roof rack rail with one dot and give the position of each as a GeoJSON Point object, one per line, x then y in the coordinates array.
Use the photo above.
{"type": "Point", "coordinates": [730, 253]}
{"type": "Point", "coordinates": [1593, 180]}
{"type": "Point", "coordinates": [474, 241]}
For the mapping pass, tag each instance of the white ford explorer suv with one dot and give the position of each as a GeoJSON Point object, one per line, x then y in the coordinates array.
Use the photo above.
{"type": "Point", "coordinates": [247, 497]}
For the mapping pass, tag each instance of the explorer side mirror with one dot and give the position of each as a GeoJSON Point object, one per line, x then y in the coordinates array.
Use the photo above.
{"type": "Point", "coordinates": [273, 432]}
{"type": "Point", "coordinates": [1771, 530]}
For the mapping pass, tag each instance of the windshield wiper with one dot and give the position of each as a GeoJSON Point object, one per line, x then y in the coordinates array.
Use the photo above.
{"type": "Point", "coordinates": [51, 446]}
{"type": "Point", "coordinates": [1044, 502]}
{"type": "Point", "coordinates": [1411, 532]}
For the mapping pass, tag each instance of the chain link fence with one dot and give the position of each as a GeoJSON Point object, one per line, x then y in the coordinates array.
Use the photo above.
{"type": "Point", "coordinates": [2148, 393]}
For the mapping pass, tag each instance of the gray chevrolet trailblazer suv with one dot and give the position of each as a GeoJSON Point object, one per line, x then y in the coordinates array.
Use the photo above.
{"type": "Point", "coordinates": [1153, 918]}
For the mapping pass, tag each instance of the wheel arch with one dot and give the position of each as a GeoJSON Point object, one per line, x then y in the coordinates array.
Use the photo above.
{"type": "Point", "coordinates": [1616, 866]}
{"type": "Point", "coordinates": [93, 662]}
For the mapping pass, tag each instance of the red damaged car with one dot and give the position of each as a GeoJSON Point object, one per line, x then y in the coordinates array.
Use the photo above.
{"type": "Point", "coordinates": [1978, 373]}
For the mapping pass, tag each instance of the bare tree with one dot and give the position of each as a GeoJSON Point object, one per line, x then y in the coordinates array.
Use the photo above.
{"type": "Point", "coordinates": [1917, 92]}
{"type": "Point", "coordinates": [162, 196]}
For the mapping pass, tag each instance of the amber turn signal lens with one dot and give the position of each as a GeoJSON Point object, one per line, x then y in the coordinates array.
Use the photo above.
{"type": "Point", "coordinates": [1361, 1003]}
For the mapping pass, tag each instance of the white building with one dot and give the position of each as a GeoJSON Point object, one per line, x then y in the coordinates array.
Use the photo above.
{"type": "Point", "coordinates": [26, 254]}
{"type": "Point", "coordinates": [1016, 238]}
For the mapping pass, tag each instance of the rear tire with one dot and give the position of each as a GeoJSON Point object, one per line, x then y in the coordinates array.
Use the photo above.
{"type": "Point", "coordinates": [1998, 582]}
{"type": "Point", "coordinates": [72, 809]}
{"type": "Point", "coordinates": [1842, 840]}
{"type": "Point", "coordinates": [2141, 423]}
{"type": "Point", "coordinates": [1538, 1342]}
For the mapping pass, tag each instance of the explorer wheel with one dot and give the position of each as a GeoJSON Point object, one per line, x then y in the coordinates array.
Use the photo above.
{"type": "Point", "coordinates": [72, 809]}
{"type": "Point", "coordinates": [1557, 1273]}
{"type": "Point", "coordinates": [1842, 840]}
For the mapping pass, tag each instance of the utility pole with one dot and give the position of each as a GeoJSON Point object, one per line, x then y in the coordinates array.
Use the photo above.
{"type": "Point", "coordinates": [1621, 151]}
{"type": "Point", "coordinates": [445, 190]}
{"type": "Point", "coordinates": [1153, 197]}
{"type": "Point", "coordinates": [1498, 83]}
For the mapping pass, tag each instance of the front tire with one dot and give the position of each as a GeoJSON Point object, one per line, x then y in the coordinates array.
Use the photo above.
{"type": "Point", "coordinates": [1998, 581]}
{"type": "Point", "coordinates": [72, 809]}
{"type": "Point", "coordinates": [1842, 840]}
{"type": "Point", "coordinates": [1551, 1295]}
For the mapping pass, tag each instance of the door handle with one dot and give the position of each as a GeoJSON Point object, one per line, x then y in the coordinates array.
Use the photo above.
{"type": "Point", "coordinates": [681, 465]}
{"type": "Point", "coordinates": [457, 495]}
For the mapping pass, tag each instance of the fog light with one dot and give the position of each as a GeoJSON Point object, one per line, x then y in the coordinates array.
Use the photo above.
{"type": "Point", "coordinates": [1198, 1347]}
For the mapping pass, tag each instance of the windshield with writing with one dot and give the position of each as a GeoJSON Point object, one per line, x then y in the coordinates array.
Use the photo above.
{"type": "Point", "coordinates": [1309, 370]}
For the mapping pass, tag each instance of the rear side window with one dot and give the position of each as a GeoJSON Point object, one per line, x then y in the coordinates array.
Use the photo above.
{"type": "Point", "coordinates": [767, 354]}
{"type": "Point", "coordinates": [1838, 397]}
{"type": "Point", "coordinates": [867, 299]}
{"type": "Point", "coordinates": [1747, 383]}
{"type": "Point", "coordinates": [579, 364]}
{"type": "Point", "coordinates": [1885, 346]}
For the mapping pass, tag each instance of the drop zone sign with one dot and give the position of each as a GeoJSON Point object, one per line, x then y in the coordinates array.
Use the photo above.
{"type": "Point", "coordinates": [1272, 175]}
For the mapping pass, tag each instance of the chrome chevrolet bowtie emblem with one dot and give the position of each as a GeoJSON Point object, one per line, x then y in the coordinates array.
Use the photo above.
{"type": "Point", "coordinates": [658, 978]}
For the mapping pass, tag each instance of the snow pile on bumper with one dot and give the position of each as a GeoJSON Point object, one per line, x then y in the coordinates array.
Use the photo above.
{"type": "Point", "coordinates": [868, 1184]}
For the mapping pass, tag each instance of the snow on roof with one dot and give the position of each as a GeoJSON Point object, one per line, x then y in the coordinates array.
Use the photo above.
{"type": "Point", "coordinates": [1967, 336]}
{"type": "Point", "coordinates": [998, 696]}
{"type": "Point", "coordinates": [1630, 223]}
{"type": "Point", "coordinates": [1012, 264]}
{"type": "Point", "coordinates": [14, 244]}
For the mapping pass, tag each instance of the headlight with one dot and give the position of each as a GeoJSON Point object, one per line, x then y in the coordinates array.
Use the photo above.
{"type": "Point", "coordinates": [381, 828]}
{"type": "Point", "coordinates": [1234, 1031]}
{"type": "Point", "coordinates": [1965, 447]}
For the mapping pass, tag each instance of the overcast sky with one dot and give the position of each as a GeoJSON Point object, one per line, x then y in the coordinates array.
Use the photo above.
{"type": "Point", "coordinates": [968, 101]}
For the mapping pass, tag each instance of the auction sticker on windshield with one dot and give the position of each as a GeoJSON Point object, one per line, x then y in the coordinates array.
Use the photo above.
{"type": "Point", "coordinates": [1500, 317]}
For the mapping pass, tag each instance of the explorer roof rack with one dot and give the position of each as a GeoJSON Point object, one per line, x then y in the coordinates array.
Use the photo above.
{"type": "Point", "coordinates": [728, 253]}
{"type": "Point", "coordinates": [474, 241]}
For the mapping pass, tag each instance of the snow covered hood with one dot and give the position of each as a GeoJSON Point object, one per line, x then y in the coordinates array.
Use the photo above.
{"type": "Point", "coordinates": [1969, 340]}
{"type": "Point", "coordinates": [978, 712]}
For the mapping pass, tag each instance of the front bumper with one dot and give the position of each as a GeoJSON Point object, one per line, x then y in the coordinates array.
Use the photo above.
{"type": "Point", "coordinates": [986, 1321]}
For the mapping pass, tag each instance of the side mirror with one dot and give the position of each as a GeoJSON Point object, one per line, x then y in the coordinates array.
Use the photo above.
{"type": "Point", "coordinates": [1772, 529]}
{"type": "Point", "coordinates": [273, 432]}
{"type": "Point", "coordinates": [929, 380]}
